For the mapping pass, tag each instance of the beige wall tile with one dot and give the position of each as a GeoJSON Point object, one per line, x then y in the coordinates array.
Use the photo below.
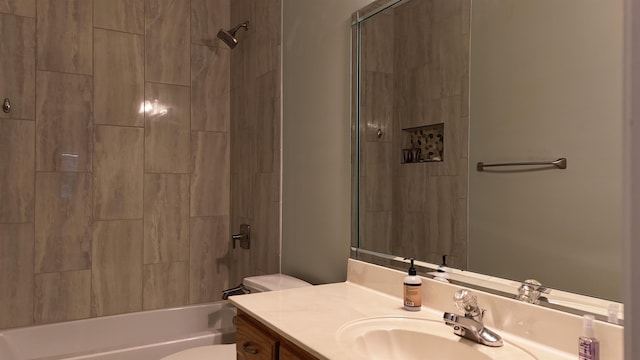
{"type": "Point", "coordinates": [459, 244]}
{"type": "Point", "coordinates": [16, 170]}
{"type": "Point", "coordinates": [443, 9]}
{"type": "Point", "coordinates": [378, 43]}
{"type": "Point", "coordinates": [377, 106]}
{"type": "Point", "coordinates": [463, 145]}
{"type": "Point", "coordinates": [167, 41]}
{"type": "Point", "coordinates": [451, 59]}
{"type": "Point", "coordinates": [464, 84]}
{"type": "Point", "coordinates": [377, 231]}
{"type": "Point", "coordinates": [243, 82]}
{"type": "Point", "coordinates": [414, 231]}
{"type": "Point", "coordinates": [255, 133]}
{"type": "Point", "coordinates": [87, 226]}
{"type": "Point", "coordinates": [166, 218]}
{"type": "Point", "coordinates": [64, 33]}
{"type": "Point", "coordinates": [267, 29]}
{"type": "Point", "coordinates": [63, 222]}
{"type": "Point", "coordinates": [210, 107]}
{"type": "Point", "coordinates": [117, 267]}
{"type": "Point", "coordinates": [165, 285]}
{"type": "Point", "coordinates": [121, 15]}
{"type": "Point", "coordinates": [167, 135]}
{"type": "Point", "coordinates": [18, 7]}
{"type": "Point", "coordinates": [119, 78]}
{"type": "Point", "coordinates": [379, 181]}
{"type": "Point", "coordinates": [466, 18]}
{"type": "Point", "coordinates": [64, 126]}
{"type": "Point", "coordinates": [243, 70]}
{"type": "Point", "coordinates": [412, 185]}
{"type": "Point", "coordinates": [430, 199]}
{"type": "Point", "coordinates": [243, 170]}
{"type": "Point", "coordinates": [265, 229]}
{"type": "Point", "coordinates": [62, 296]}
{"type": "Point", "coordinates": [441, 214]}
{"type": "Point", "coordinates": [268, 108]}
{"type": "Point", "coordinates": [118, 173]}
{"type": "Point", "coordinates": [16, 275]}
{"type": "Point", "coordinates": [210, 178]}
{"type": "Point", "coordinates": [244, 144]}
{"type": "Point", "coordinates": [412, 32]}
{"type": "Point", "coordinates": [210, 241]}
{"type": "Point", "coordinates": [447, 110]}
{"type": "Point", "coordinates": [411, 90]}
{"type": "Point", "coordinates": [242, 10]}
{"type": "Point", "coordinates": [207, 17]}
{"type": "Point", "coordinates": [17, 59]}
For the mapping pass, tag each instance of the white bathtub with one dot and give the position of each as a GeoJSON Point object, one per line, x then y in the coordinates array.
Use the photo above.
{"type": "Point", "coordinates": [147, 335]}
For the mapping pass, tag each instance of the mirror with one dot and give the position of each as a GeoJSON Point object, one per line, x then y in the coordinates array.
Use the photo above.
{"type": "Point", "coordinates": [442, 85]}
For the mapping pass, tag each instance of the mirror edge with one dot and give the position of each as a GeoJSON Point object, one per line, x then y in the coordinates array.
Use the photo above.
{"type": "Point", "coordinates": [372, 9]}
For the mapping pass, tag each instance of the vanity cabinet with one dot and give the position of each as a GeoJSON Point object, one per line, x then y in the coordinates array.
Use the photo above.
{"type": "Point", "coordinates": [289, 351]}
{"type": "Point", "coordinates": [254, 341]}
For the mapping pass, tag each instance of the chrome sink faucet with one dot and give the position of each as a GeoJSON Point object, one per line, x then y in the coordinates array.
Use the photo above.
{"type": "Point", "coordinates": [470, 325]}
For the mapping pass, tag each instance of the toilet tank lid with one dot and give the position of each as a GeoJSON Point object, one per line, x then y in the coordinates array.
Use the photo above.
{"type": "Point", "coordinates": [274, 282]}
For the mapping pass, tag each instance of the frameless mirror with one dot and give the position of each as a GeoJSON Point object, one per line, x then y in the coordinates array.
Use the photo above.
{"type": "Point", "coordinates": [443, 85]}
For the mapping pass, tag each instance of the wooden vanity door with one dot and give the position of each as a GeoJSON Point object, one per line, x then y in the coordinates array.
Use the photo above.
{"type": "Point", "coordinates": [253, 342]}
{"type": "Point", "coordinates": [292, 352]}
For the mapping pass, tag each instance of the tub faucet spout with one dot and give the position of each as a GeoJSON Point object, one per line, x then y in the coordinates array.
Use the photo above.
{"type": "Point", "coordinates": [238, 290]}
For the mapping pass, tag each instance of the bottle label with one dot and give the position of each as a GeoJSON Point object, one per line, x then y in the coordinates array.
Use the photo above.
{"type": "Point", "coordinates": [588, 351]}
{"type": "Point", "coordinates": [412, 295]}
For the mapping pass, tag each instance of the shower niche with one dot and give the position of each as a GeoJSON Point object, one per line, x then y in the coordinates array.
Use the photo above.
{"type": "Point", "coordinates": [423, 144]}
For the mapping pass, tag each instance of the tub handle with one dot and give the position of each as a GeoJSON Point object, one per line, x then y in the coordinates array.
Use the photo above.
{"type": "Point", "coordinates": [249, 349]}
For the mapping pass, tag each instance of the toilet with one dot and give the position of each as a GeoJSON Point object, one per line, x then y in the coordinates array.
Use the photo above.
{"type": "Point", "coordinates": [260, 283]}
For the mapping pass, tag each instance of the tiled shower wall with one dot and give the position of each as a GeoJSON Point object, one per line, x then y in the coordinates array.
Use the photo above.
{"type": "Point", "coordinates": [115, 158]}
{"type": "Point", "coordinates": [255, 135]}
{"type": "Point", "coordinates": [416, 62]}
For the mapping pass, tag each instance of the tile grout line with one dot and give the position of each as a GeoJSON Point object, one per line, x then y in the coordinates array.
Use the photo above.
{"type": "Point", "coordinates": [190, 158]}
{"type": "Point", "coordinates": [93, 128]}
{"type": "Point", "coordinates": [144, 144]}
{"type": "Point", "coordinates": [35, 131]}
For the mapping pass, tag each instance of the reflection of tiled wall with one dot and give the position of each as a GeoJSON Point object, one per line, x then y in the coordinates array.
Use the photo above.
{"type": "Point", "coordinates": [376, 175]}
{"type": "Point", "coordinates": [104, 209]}
{"type": "Point", "coordinates": [416, 75]}
{"type": "Point", "coordinates": [255, 135]}
{"type": "Point", "coordinates": [431, 66]}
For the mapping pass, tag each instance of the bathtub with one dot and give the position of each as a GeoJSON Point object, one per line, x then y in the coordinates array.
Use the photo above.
{"type": "Point", "coordinates": [147, 335]}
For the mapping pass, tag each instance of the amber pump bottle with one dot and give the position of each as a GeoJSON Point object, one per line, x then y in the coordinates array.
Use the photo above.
{"type": "Point", "coordinates": [412, 289]}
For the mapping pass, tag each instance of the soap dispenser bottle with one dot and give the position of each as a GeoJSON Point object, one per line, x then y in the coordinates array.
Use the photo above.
{"type": "Point", "coordinates": [441, 273]}
{"type": "Point", "coordinates": [589, 346]}
{"type": "Point", "coordinates": [412, 289]}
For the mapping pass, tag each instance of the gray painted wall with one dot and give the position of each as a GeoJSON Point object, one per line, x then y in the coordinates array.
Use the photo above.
{"type": "Point", "coordinates": [316, 174]}
{"type": "Point", "coordinates": [632, 181]}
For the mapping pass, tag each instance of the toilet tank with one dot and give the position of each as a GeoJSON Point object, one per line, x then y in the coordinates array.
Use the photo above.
{"type": "Point", "coordinates": [273, 282]}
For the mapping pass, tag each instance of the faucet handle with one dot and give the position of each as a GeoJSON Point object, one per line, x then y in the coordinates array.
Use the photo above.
{"type": "Point", "coordinates": [530, 291]}
{"type": "Point", "coordinates": [468, 303]}
{"type": "Point", "coordinates": [465, 300]}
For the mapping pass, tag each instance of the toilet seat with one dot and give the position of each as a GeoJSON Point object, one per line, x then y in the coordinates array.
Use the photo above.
{"type": "Point", "coordinates": [209, 352]}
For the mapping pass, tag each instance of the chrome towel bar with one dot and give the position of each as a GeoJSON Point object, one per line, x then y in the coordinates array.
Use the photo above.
{"type": "Point", "coordinates": [560, 164]}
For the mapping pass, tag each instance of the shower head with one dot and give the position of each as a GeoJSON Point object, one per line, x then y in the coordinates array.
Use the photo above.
{"type": "Point", "coordinates": [229, 36]}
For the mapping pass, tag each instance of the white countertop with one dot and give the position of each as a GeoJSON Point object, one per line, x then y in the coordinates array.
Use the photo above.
{"type": "Point", "coordinates": [311, 317]}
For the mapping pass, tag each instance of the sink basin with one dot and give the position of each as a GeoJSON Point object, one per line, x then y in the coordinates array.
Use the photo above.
{"type": "Point", "coordinates": [409, 338]}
